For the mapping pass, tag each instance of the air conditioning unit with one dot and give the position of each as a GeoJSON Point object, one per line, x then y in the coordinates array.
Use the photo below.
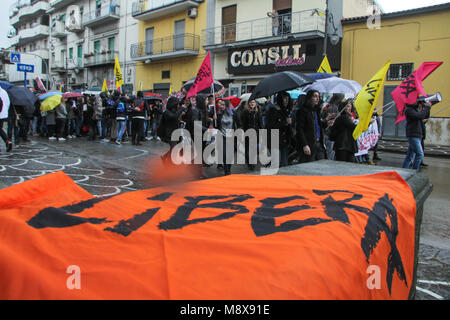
{"type": "Point", "coordinates": [192, 13]}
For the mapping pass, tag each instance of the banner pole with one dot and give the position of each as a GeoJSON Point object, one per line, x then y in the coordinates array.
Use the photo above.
{"type": "Point", "coordinates": [392, 102]}
{"type": "Point", "coordinates": [214, 98]}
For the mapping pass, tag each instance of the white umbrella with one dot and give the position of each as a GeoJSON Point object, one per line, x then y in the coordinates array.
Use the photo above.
{"type": "Point", "coordinates": [246, 96]}
{"type": "Point", "coordinates": [335, 85]}
{"type": "Point", "coordinates": [5, 104]}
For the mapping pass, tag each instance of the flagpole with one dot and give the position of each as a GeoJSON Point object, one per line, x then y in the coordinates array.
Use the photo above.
{"type": "Point", "coordinates": [214, 98]}
{"type": "Point", "coordinates": [392, 102]}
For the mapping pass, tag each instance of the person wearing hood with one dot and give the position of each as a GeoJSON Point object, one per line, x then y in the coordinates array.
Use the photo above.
{"type": "Point", "coordinates": [170, 121]}
{"type": "Point", "coordinates": [415, 114]}
{"type": "Point", "coordinates": [138, 116]}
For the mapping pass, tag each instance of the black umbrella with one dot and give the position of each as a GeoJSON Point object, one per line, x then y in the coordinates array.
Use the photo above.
{"type": "Point", "coordinates": [280, 81]}
{"type": "Point", "coordinates": [23, 100]}
{"type": "Point", "coordinates": [219, 88]}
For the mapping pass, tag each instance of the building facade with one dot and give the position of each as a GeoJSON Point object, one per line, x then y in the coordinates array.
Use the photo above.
{"type": "Point", "coordinates": [168, 52]}
{"type": "Point", "coordinates": [408, 38]}
{"type": "Point", "coordinates": [251, 39]}
{"type": "Point", "coordinates": [79, 40]}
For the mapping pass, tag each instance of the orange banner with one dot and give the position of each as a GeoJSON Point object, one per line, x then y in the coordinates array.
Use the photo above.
{"type": "Point", "coordinates": [235, 237]}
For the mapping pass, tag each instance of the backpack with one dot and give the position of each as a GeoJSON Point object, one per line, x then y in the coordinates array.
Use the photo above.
{"type": "Point", "coordinates": [120, 107]}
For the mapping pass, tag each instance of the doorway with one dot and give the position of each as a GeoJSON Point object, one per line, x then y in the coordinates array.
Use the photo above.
{"type": "Point", "coordinates": [389, 128]}
{"type": "Point", "coordinates": [229, 24]}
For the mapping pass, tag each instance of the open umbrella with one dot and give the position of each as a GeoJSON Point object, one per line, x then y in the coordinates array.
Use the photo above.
{"type": "Point", "coordinates": [5, 85]}
{"type": "Point", "coordinates": [335, 85]}
{"type": "Point", "coordinates": [44, 96]}
{"type": "Point", "coordinates": [152, 96]}
{"type": "Point", "coordinates": [233, 100]}
{"type": "Point", "coordinates": [23, 100]}
{"type": "Point", "coordinates": [219, 89]}
{"type": "Point", "coordinates": [280, 81]}
{"type": "Point", "coordinates": [51, 103]}
{"type": "Point", "coordinates": [68, 95]}
{"type": "Point", "coordinates": [246, 96]}
{"type": "Point", "coordinates": [4, 107]}
{"type": "Point", "coordinates": [296, 93]}
{"type": "Point", "coordinates": [321, 75]}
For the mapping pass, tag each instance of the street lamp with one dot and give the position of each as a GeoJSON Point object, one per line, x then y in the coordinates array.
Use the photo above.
{"type": "Point", "coordinates": [334, 38]}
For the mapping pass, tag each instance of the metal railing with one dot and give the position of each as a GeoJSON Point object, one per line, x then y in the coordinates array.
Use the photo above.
{"type": "Point", "coordinates": [112, 10]}
{"type": "Point", "coordinates": [174, 43]}
{"type": "Point", "coordinates": [100, 58]}
{"type": "Point", "coordinates": [295, 22]}
{"type": "Point", "coordinates": [139, 7]}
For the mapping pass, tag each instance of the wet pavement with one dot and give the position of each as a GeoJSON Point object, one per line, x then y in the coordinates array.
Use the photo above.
{"type": "Point", "coordinates": [103, 169]}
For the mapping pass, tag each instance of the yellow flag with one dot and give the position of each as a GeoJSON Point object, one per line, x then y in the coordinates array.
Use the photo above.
{"type": "Point", "coordinates": [118, 74]}
{"type": "Point", "coordinates": [170, 90]}
{"type": "Point", "coordinates": [367, 99]}
{"type": "Point", "coordinates": [324, 66]}
{"type": "Point", "coordinates": [105, 86]}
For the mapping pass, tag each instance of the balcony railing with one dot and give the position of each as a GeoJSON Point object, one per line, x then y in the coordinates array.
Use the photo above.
{"type": "Point", "coordinates": [168, 47]}
{"type": "Point", "coordinates": [57, 4]}
{"type": "Point", "coordinates": [100, 16]}
{"type": "Point", "coordinates": [27, 9]}
{"type": "Point", "coordinates": [37, 31]}
{"type": "Point", "coordinates": [59, 30]}
{"type": "Point", "coordinates": [139, 7]}
{"type": "Point", "coordinates": [58, 66]}
{"type": "Point", "coordinates": [296, 22]}
{"type": "Point", "coordinates": [100, 59]}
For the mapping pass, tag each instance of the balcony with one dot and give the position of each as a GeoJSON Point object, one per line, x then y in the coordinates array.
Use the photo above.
{"type": "Point", "coordinates": [101, 16]}
{"type": "Point", "coordinates": [297, 25]}
{"type": "Point", "coordinates": [59, 30]}
{"type": "Point", "coordinates": [75, 63]}
{"type": "Point", "coordinates": [58, 4]}
{"type": "Point", "coordinates": [58, 66]}
{"type": "Point", "coordinates": [27, 10]}
{"type": "Point", "coordinates": [184, 45]}
{"type": "Point", "coordinates": [149, 10]}
{"type": "Point", "coordinates": [36, 32]}
{"type": "Point", "coordinates": [98, 59]}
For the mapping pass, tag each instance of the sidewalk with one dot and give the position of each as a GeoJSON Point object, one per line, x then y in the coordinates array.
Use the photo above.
{"type": "Point", "coordinates": [402, 147]}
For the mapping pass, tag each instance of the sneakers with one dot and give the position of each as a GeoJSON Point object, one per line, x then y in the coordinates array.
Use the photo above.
{"type": "Point", "coordinates": [61, 139]}
{"type": "Point", "coordinates": [51, 138]}
{"type": "Point", "coordinates": [158, 138]}
{"type": "Point", "coordinates": [148, 138]}
{"type": "Point", "coordinates": [117, 142]}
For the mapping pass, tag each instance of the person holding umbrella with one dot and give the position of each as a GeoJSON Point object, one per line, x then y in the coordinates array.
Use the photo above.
{"type": "Point", "coordinates": [278, 117]}
{"type": "Point", "coordinates": [310, 129]}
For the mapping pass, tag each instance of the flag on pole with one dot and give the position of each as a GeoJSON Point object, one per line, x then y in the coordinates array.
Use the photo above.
{"type": "Point", "coordinates": [367, 98]}
{"type": "Point", "coordinates": [118, 74]}
{"type": "Point", "coordinates": [410, 88]}
{"type": "Point", "coordinates": [325, 66]}
{"type": "Point", "coordinates": [204, 77]}
{"type": "Point", "coordinates": [105, 86]}
{"type": "Point", "coordinates": [170, 90]}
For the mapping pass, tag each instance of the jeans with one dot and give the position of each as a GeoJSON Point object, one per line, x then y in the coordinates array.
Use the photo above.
{"type": "Point", "coordinates": [121, 124]}
{"type": "Point", "coordinates": [415, 154]}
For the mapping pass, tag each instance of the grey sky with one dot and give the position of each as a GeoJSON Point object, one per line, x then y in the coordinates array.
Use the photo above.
{"type": "Point", "coordinates": [388, 6]}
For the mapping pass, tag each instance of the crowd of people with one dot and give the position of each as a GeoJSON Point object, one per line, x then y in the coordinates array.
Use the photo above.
{"type": "Point", "coordinates": [309, 130]}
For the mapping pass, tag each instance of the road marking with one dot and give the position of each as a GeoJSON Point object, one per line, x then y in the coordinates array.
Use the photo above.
{"type": "Point", "coordinates": [443, 283]}
{"type": "Point", "coordinates": [435, 295]}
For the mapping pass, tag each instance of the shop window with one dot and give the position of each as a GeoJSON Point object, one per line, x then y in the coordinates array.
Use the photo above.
{"type": "Point", "coordinates": [399, 71]}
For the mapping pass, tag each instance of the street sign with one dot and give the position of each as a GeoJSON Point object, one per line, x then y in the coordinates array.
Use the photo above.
{"type": "Point", "coordinates": [25, 67]}
{"type": "Point", "coordinates": [14, 57]}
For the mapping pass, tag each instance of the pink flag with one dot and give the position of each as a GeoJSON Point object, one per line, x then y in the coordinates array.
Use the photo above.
{"type": "Point", "coordinates": [408, 91]}
{"type": "Point", "coordinates": [204, 78]}
{"type": "Point", "coordinates": [40, 84]}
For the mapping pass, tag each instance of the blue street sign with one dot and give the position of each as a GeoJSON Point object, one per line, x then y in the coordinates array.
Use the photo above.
{"type": "Point", "coordinates": [25, 67]}
{"type": "Point", "coordinates": [14, 57]}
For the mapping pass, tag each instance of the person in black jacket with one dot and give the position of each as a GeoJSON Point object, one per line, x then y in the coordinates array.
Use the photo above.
{"type": "Point", "coordinates": [341, 132]}
{"type": "Point", "coordinates": [415, 114]}
{"type": "Point", "coordinates": [250, 119]}
{"type": "Point", "coordinates": [138, 115]}
{"type": "Point", "coordinates": [310, 129]}
{"type": "Point", "coordinates": [278, 117]}
{"type": "Point", "coordinates": [170, 121]}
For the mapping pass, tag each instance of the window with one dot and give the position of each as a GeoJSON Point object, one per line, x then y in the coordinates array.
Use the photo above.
{"type": "Point", "coordinates": [399, 71]}
{"type": "Point", "coordinates": [97, 47]}
{"type": "Point", "coordinates": [70, 53]}
{"type": "Point", "coordinates": [165, 74]}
